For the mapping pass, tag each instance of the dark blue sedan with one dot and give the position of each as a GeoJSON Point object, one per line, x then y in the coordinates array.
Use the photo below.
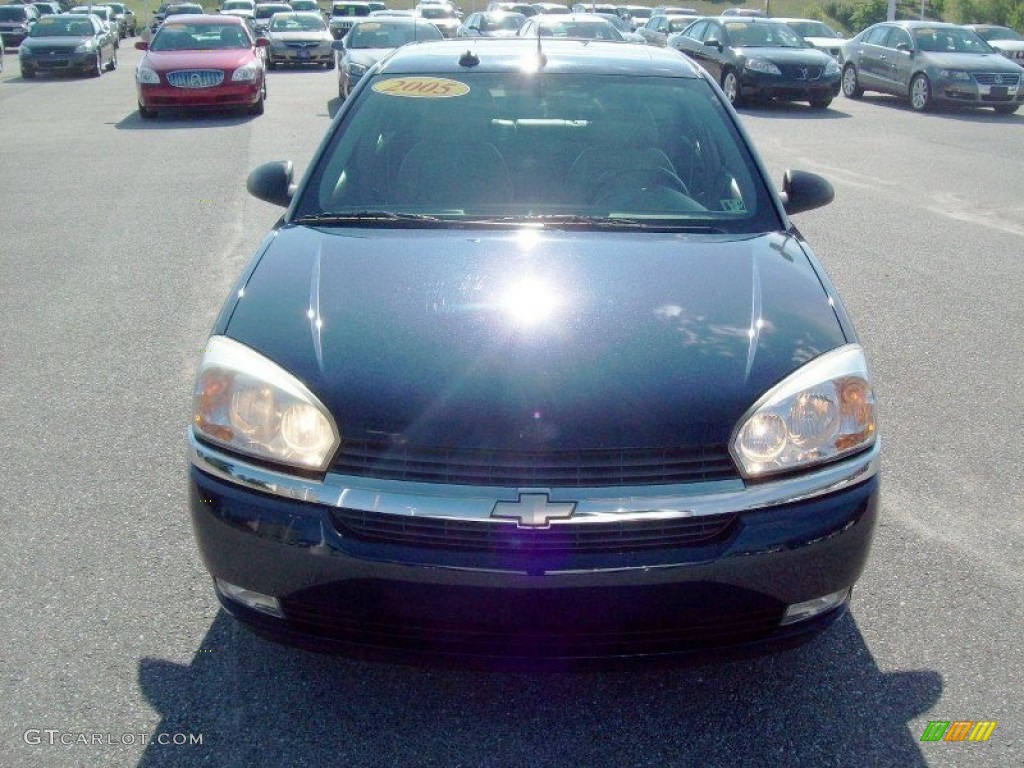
{"type": "Point", "coordinates": [494, 388]}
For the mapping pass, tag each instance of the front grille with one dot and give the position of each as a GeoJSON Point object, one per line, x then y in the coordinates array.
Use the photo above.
{"type": "Point", "coordinates": [572, 469]}
{"type": "Point", "coordinates": [195, 78]}
{"type": "Point", "coordinates": [301, 45]}
{"type": "Point", "coordinates": [522, 623]}
{"type": "Point", "coordinates": [508, 537]}
{"type": "Point", "coordinates": [802, 73]}
{"type": "Point", "coordinates": [996, 78]}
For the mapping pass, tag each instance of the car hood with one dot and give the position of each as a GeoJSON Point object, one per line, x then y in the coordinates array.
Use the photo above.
{"type": "Point", "coordinates": [366, 57]}
{"type": "Point", "coordinates": [802, 56]}
{"type": "Point", "coordinates": [1007, 45]}
{"type": "Point", "coordinates": [975, 62]}
{"type": "Point", "coordinates": [527, 341]}
{"type": "Point", "coordinates": [227, 59]}
{"type": "Point", "coordinates": [57, 41]}
{"type": "Point", "coordinates": [302, 37]}
{"type": "Point", "coordinates": [826, 42]}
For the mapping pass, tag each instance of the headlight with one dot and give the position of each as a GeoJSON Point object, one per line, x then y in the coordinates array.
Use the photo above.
{"type": "Point", "coordinates": [247, 403]}
{"type": "Point", "coordinates": [245, 74]}
{"type": "Point", "coordinates": [147, 75]}
{"type": "Point", "coordinates": [277, 43]}
{"type": "Point", "coordinates": [959, 75]}
{"type": "Point", "coordinates": [823, 411]}
{"type": "Point", "coordinates": [765, 67]}
{"type": "Point", "coordinates": [84, 48]}
{"type": "Point", "coordinates": [832, 68]}
{"type": "Point", "coordinates": [355, 69]}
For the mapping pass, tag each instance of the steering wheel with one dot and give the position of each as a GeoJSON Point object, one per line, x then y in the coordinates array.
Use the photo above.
{"type": "Point", "coordinates": [635, 180]}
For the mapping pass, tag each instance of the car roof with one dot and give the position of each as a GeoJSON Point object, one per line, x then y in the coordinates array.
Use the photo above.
{"type": "Point", "coordinates": [568, 55]}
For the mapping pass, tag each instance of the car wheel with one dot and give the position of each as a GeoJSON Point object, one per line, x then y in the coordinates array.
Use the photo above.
{"type": "Point", "coordinates": [27, 74]}
{"type": "Point", "coordinates": [112, 64]}
{"type": "Point", "coordinates": [731, 87]}
{"type": "Point", "coordinates": [271, 64]}
{"type": "Point", "coordinates": [257, 108]}
{"type": "Point", "coordinates": [920, 93]}
{"type": "Point", "coordinates": [329, 64]}
{"type": "Point", "coordinates": [820, 102]}
{"type": "Point", "coordinates": [97, 69]}
{"type": "Point", "coordinates": [146, 114]}
{"type": "Point", "coordinates": [1005, 109]}
{"type": "Point", "coordinates": [851, 87]}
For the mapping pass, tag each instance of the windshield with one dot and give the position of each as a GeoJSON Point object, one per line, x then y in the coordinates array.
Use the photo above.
{"type": "Point", "coordinates": [179, 10]}
{"type": "Point", "coordinates": [305, 5]}
{"type": "Point", "coordinates": [999, 33]}
{"type": "Point", "coordinates": [180, 36]}
{"type": "Point", "coordinates": [747, 34]}
{"type": "Point", "coordinates": [287, 23]}
{"type": "Point", "coordinates": [237, 5]}
{"type": "Point", "coordinates": [266, 11]}
{"type": "Point", "coordinates": [436, 12]}
{"type": "Point", "coordinates": [381, 34]}
{"type": "Point", "coordinates": [12, 13]}
{"type": "Point", "coordinates": [62, 26]}
{"type": "Point", "coordinates": [949, 40]}
{"type": "Point", "coordinates": [509, 22]}
{"type": "Point", "coordinates": [813, 29]}
{"type": "Point", "coordinates": [484, 147]}
{"type": "Point", "coordinates": [350, 10]}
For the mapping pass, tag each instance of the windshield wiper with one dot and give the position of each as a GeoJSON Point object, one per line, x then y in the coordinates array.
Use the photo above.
{"type": "Point", "coordinates": [601, 222]}
{"type": "Point", "coordinates": [362, 217]}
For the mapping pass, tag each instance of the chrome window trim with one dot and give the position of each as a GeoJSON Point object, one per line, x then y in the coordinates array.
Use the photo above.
{"type": "Point", "coordinates": [466, 502]}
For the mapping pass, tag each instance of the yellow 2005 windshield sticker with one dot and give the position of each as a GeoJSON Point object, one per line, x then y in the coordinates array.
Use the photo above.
{"type": "Point", "coordinates": [421, 87]}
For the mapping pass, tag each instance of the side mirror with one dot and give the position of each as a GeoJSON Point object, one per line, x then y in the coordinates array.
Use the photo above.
{"type": "Point", "coordinates": [141, 45]}
{"type": "Point", "coordinates": [272, 182]}
{"type": "Point", "coordinates": [713, 43]}
{"type": "Point", "coordinates": [905, 47]}
{"type": "Point", "coordinates": [338, 45]}
{"type": "Point", "coordinates": [803, 191]}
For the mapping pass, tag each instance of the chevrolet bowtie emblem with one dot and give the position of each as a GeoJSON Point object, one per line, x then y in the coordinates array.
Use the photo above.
{"type": "Point", "coordinates": [533, 510]}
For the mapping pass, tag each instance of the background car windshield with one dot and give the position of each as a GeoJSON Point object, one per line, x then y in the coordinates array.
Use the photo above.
{"type": "Point", "coordinates": [949, 40]}
{"type": "Point", "coordinates": [12, 13]}
{"type": "Point", "coordinates": [813, 29]}
{"type": "Point", "coordinates": [297, 24]}
{"type": "Point", "coordinates": [999, 33]}
{"type": "Point", "coordinates": [350, 10]}
{"type": "Point", "coordinates": [590, 30]}
{"type": "Point", "coordinates": [521, 145]}
{"type": "Point", "coordinates": [266, 11]}
{"type": "Point", "coordinates": [237, 5]}
{"type": "Point", "coordinates": [374, 34]}
{"type": "Point", "coordinates": [760, 35]}
{"type": "Point", "coordinates": [62, 26]}
{"type": "Point", "coordinates": [439, 12]}
{"type": "Point", "coordinates": [497, 21]}
{"type": "Point", "coordinates": [199, 37]}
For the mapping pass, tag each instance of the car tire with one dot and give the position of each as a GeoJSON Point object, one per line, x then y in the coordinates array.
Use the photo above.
{"type": "Point", "coordinates": [1006, 109]}
{"type": "Point", "coordinates": [97, 69]}
{"type": "Point", "coordinates": [851, 85]}
{"type": "Point", "coordinates": [146, 114]}
{"type": "Point", "coordinates": [820, 102]}
{"type": "Point", "coordinates": [271, 64]}
{"type": "Point", "coordinates": [330, 64]}
{"type": "Point", "coordinates": [27, 74]}
{"type": "Point", "coordinates": [920, 93]}
{"type": "Point", "coordinates": [258, 107]}
{"type": "Point", "coordinates": [112, 64]}
{"type": "Point", "coordinates": [731, 87]}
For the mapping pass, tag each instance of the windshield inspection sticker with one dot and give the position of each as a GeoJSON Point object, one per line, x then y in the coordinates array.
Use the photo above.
{"type": "Point", "coordinates": [421, 87]}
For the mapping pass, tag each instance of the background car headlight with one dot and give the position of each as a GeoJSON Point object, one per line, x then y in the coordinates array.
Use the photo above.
{"type": "Point", "coordinates": [85, 48]}
{"type": "Point", "coordinates": [959, 75]}
{"type": "Point", "coordinates": [821, 412]}
{"type": "Point", "coordinates": [147, 75]}
{"type": "Point", "coordinates": [247, 403]}
{"type": "Point", "coordinates": [832, 68]}
{"type": "Point", "coordinates": [355, 69]}
{"type": "Point", "coordinates": [245, 74]}
{"type": "Point", "coordinates": [765, 67]}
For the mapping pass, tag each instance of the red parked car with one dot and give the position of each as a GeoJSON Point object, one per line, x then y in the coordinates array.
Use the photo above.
{"type": "Point", "coordinates": [201, 62]}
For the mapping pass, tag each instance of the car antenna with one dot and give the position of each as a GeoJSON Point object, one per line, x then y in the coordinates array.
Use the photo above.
{"type": "Point", "coordinates": [541, 58]}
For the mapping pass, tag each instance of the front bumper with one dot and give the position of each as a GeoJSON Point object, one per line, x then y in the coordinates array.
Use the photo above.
{"type": "Point", "coordinates": [227, 94]}
{"type": "Point", "coordinates": [12, 38]}
{"type": "Point", "coordinates": [978, 95]}
{"type": "Point", "coordinates": [394, 587]}
{"type": "Point", "coordinates": [58, 62]}
{"type": "Point", "coordinates": [300, 55]}
{"type": "Point", "coordinates": [788, 89]}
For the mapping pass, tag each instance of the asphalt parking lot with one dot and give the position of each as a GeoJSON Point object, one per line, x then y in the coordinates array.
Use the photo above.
{"type": "Point", "coordinates": [118, 243]}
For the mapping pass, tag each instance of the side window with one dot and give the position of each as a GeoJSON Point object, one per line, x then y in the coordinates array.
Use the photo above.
{"type": "Point", "coordinates": [716, 32]}
{"type": "Point", "coordinates": [898, 36]}
{"type": "Point", "coordinates": [696, 32]}
{"type": "Point", "coordinates": [877, 36]}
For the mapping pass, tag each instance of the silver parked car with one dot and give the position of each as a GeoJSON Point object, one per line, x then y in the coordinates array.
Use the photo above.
{"type": "Point", "coordinates": [299, 38]}
{"type": "Point", "coordinates": [931, 63]}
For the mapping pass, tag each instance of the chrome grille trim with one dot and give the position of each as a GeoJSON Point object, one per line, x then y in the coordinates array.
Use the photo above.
{"type": "Point", "coordinates": [989, 78]}
{"type": "Point", "coordinates": [195, 78]}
